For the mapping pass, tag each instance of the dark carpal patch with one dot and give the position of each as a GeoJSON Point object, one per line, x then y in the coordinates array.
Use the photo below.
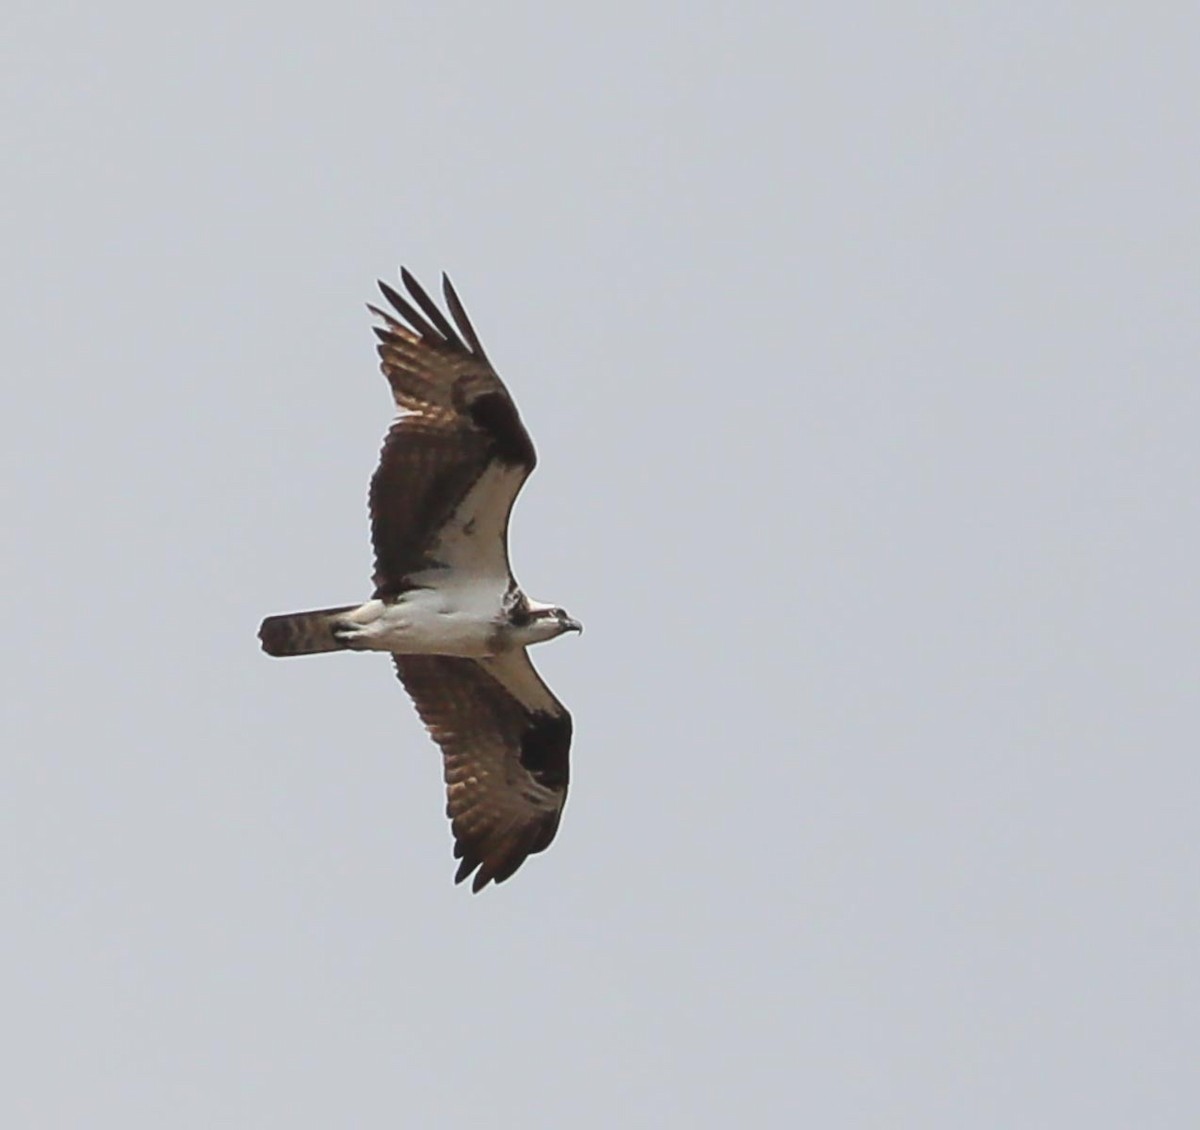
{"type": "Point", "coordinates": [495, 414]}
{"type": "Point", "coordinates": [545, 746]}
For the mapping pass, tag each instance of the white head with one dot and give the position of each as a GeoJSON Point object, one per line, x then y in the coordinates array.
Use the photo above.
{"type": "Point", "coordinates": [535, 623]}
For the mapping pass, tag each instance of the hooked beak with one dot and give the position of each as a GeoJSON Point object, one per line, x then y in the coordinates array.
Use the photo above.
{"type": "Point", "coordinates": [573, 626]}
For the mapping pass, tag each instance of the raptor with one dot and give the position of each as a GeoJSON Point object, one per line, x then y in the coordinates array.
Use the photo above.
{"type": "Point", "coordinates": [445, 604]}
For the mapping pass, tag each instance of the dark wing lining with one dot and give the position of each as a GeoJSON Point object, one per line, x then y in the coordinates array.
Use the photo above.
{"type": "Point", "coordinates": [458, 418]}
{"type": "Point", "coordinates": [505, 743]}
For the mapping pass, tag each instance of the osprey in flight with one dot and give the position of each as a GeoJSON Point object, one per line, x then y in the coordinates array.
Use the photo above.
{"type": "Point", "coordinates": [446, 605]}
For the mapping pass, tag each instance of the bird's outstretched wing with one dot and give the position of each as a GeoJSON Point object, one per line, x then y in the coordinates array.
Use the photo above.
{"type": "Point", "coordinates": [505, 743]}
{"type": "Point", "coordinates": [453, 462]}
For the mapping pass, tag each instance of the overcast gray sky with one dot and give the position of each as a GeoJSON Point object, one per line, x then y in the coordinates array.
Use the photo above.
{"type": "Point", "coordinates": [859, 343]}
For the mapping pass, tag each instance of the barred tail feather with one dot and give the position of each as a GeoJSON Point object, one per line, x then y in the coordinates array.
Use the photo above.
{"type": "Point", "coordinates": [302, 633]}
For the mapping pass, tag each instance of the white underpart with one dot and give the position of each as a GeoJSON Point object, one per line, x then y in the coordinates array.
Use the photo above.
{"type": "Point", "coordinates": [461, 603]}
{"type": "Point", "coordinates": [474, 541]}
{"type": "Point", "coordinates": [515, 671]}
{"type": "Point", "coordinates": [443, 621]}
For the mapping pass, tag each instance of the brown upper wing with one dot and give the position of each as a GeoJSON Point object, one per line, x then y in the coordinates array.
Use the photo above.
{"type": "Point", "coordinates": [457, 420]}
{"type": "Point", "coordinates": [505, 742]}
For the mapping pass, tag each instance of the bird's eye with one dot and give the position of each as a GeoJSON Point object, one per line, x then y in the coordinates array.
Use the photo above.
{"type": "Point", "coordinates": [560, 613]}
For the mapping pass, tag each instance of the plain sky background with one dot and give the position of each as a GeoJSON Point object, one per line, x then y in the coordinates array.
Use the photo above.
{"type": "Point", "coordinates": [859, 343]}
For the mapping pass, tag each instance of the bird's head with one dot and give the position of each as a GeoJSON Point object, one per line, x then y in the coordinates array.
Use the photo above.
{"type": "Point", "coordinates": [544, 622]}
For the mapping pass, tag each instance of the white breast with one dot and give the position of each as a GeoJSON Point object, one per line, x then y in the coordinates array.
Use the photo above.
{"type": "Point", "coordinates": [451, 618]}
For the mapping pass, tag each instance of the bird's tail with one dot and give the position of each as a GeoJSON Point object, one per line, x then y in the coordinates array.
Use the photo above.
{"type": "Point", "coordinates": [302, 633]}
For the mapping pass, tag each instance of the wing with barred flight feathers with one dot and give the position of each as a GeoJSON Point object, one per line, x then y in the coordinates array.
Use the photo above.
{"type": "Point", "coordinates": [450, 470]}
{"type": "Point", "coordinates": [458, 434]}
{"type": "Point", "coordinates": [505, 742]}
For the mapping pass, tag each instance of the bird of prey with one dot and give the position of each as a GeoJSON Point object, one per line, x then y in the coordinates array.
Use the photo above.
{"type": "Point", "coordinates": [446, 604]}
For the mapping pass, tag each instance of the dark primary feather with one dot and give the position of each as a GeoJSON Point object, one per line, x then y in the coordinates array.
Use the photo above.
{"type": "Point", "coordinates": [460, 316]}
{"type": "Point", "coordinates": [458, 418]}
{"type": "Point", "coordinates": [506, 762]}
{"type": "Point", "coordinates": [431, 311]}
{"type": "Point", "coordinates": [430, 335]}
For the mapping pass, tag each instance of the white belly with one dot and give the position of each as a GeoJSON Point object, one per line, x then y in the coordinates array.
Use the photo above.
{"type": "Point", "coordinates": [424, 622]}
